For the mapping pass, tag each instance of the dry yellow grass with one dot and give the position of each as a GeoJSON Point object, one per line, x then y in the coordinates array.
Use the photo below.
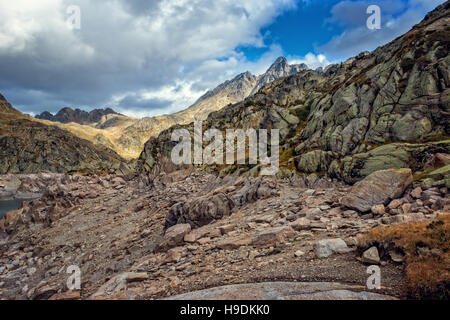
{"type": "Point", "coordinates": [427, 276]}
{"type": "Point", "coordinates": [89, 133]}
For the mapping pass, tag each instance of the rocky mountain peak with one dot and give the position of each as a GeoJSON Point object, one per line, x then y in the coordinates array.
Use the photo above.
{"type": "Point", "coordinates": [67, 115]}
{"type": "Point", "coordinates": [281, 64]}
{"type": "Point", "coordinates": [280, 68]}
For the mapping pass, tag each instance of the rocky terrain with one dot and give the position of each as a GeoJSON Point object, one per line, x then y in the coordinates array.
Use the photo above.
{"type": "Point", "coordinates": [127, 135]}
{"type": "Point", "coordinates": [133, 241]}
{"type": "Point", "coordinates": [363, 181]}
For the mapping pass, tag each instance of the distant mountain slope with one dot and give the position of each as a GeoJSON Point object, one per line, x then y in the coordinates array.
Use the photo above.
{"type": "Point", "coordinates": [127, 136]}
{"type": "Point", "coordinates": [29, 146]}
{"type": "Point", "coordinates": [386, 109]}
{"type": "Point", "coordinates": [236, 90]}
{"type": "Point", "coordinates": [67, 115]}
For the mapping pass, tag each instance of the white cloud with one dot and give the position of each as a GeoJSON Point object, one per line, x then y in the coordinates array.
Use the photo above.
{"type": "Point", "coordinates": [205, 76]}
{"type": "Point", "coordinates": [171, 49]}
{"type": "Point", "coordinates": [311, 60]}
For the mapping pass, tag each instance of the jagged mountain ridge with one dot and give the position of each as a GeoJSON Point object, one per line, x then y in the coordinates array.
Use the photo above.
{"type": "Point", "coordinates": [237, 89]}
{"type": "Point", "coordinates": [67, 115]}
{"type": "Point", "coordinates": [384, 109]}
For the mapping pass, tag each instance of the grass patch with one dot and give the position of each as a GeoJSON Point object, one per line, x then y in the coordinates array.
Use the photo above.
{"type": "Point", "coordinates": [427, 276]}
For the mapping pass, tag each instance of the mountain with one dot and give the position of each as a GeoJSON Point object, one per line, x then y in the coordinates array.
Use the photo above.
{"type": "Point", "coordinates": [29, 146]}
{"type": "Point", "coordinates": [280, 68]}
{"type": "Point", "coordinates": [67, 115]}
{"type": "Point", "coordinates": [389, 108]}
{"type": "Point", "coordinates": [236, 90]}
{"type": "Point", "coordinates": [127, 136]}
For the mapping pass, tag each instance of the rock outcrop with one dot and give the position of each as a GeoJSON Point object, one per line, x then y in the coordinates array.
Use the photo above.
{"type": "Point", "coordinates": [379, 110]}
{"type": "Point", "coordinates": [378, 188]}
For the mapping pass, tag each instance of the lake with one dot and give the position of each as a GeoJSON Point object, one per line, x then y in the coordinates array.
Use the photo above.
{"type": "Point", "coordinates": [8, 205]}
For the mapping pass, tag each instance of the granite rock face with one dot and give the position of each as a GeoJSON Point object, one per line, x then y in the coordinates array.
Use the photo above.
{"type": "Point", "coordinates": [379, 110]}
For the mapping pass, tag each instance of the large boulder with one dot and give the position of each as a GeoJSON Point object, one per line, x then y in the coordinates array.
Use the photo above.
{"type": "Point", "coordinates": [379, 187]}
{"type": "Point", "coordinates": [173, 237]}
{"type": "Point", "coordinates": [200, 211]}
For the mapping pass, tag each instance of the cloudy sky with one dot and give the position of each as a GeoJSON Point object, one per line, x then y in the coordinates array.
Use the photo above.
{"type": "Point", "coordinates": [151, 57]}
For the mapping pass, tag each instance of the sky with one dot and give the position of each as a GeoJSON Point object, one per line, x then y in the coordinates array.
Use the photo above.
{"type": "Point", "coordinates": [153, 57]}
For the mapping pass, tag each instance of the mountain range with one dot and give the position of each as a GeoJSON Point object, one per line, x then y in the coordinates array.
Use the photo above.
{"type": "Point", "coordinates": [127, 135]}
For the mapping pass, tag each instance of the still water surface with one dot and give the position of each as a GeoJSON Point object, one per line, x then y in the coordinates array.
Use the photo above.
{"type": "Point", "coordinates": [8, 205]}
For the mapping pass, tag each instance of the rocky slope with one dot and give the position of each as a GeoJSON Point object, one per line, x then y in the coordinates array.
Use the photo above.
{"type": "Point", "coordinates": [28, 146]}
{"type": "Point", "coordinates": [384, 109]}
{"type": "Point", "coordinates": [131, 241]}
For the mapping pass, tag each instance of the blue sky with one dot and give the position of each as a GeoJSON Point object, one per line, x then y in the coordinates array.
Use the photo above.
{"type": "Point", "coordinates": [312, 24]}
{"type": "Point", "coordinates": [298, 31]}
{"type": "Point", "coordinates": [145, 58]}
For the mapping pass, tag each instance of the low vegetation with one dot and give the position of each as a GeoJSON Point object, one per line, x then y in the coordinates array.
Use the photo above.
{"type": "Point", "coordinates": [426, 247]}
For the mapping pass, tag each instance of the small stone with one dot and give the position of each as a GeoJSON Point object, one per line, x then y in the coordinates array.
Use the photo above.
{"type": "Point", "coordinates": [301, 224]}
{"type": "Point", "coordinates": [416, 193]}
{"type": "Point", "coordinates": [299, 253]}
{"type": "Point", "coordinates": [309, 192]}
{"type": "Point", "coordinates": [378, 209]}
{"type": "Point", "coordinates": [371, 256]}
{"type": "Point", "coordinates": [69, 295]}
{"type": "Point", "coordinates": [215, 233]}
{"type": "Point", "coordinates": [394, 204]}
{"type": "Point", "coordinates": [174, 255]}
{"type": "Point", "coordinates": [234, 242]}
{"type": "Point", "coordinates": [396, 257]}
{"type": "Point", "coordinates": [31, 271]}
{"type": "Point", "coordinates": [273, 236]}
{"type": "Point", "coordinates": [406, 207]}
{"type": "Point", "coordinates": [227, 228]}
{"type": "Point", "coordinates": [203, 241]}
{"type": "Point", "coordinates": [174, 236]}
{"type": "Point", "coordinates": [136, 277]}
